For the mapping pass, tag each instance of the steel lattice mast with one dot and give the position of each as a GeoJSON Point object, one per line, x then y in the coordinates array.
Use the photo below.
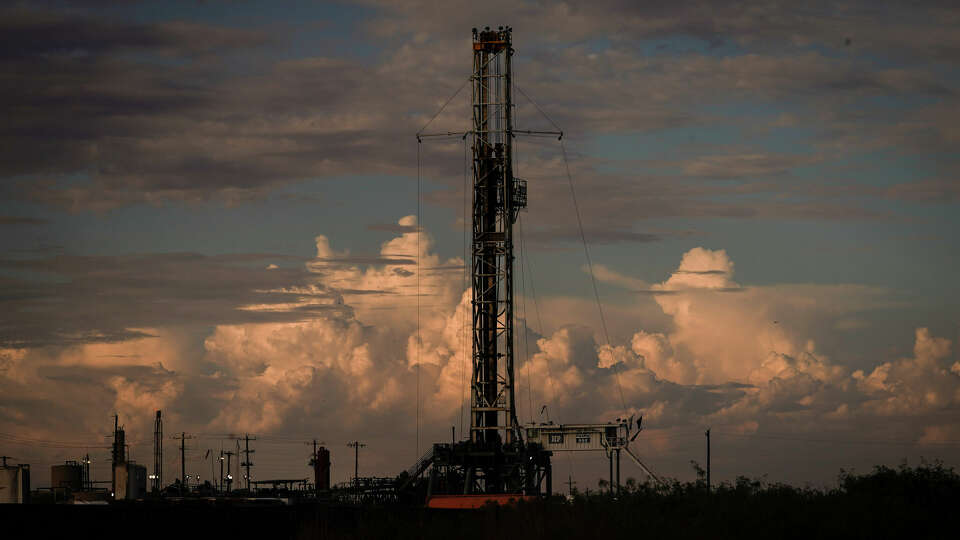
{"type": "Point", "coordinates": [497, 197]}
{"type": "Point", "coordinates": [495, 459]}
{"type": "Point", "coordinates": [499, 458]}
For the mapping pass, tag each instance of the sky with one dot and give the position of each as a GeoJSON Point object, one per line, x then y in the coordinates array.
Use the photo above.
{"type": "Point", "coordinates": [211, 208]}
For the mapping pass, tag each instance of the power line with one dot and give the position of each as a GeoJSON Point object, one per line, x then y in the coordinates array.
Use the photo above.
{"type": "Point", "coordinates": [246, 457]}
{"type": "Point", "coordinates": [419, 233]}
{"type": "Point", "coordinates": [593, 278]}
{"type": "Point", "coordinates": [44, 443]}
{"type": "Point", "coordinates": [455, 94]}
{"type": "Point", "coordinates": [525, 339]}
{"type": "Point", "coordinates": [545, 115]}
{"type": "Point", "coordinates": [466, 280]}
{"type": "Point", "coordinates": [583, 238]}
{"type": "Point", "coordinates": [536, 306]}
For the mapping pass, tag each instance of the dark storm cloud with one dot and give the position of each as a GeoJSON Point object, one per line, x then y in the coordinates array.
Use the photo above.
{"type": "Point", "coordinates": [99, 116]}
{"type": "Point", "coordinates": [89, 99]}
{"type": "Point", "coordinates": [99, 299]}
{"type": "Point", "coordinates": [744, 165]}
{"type": "Point", "coordinates": [926, 191]}
{"type": "Point", "coordinates": [28, 33]}
{"type": "Point", "coordinates": [902, 29]}
{"type": "Point", "coordinates": [17, 220]}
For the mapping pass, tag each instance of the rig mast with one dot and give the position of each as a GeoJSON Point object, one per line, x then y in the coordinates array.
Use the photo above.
{"type": "Point", "coordinates": [495, 460]}
{"type": "Point", "coordinates": [497, 197]}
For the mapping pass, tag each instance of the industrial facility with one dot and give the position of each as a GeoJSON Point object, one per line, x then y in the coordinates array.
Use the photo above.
{"type": "Point", "coordinates": [498, 461]}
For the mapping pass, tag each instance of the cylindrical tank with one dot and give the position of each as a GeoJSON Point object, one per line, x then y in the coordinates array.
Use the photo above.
{"type": "Point", "coordinates": [14, 483]}
{"type": "Point", "coordinates": [69, 475]}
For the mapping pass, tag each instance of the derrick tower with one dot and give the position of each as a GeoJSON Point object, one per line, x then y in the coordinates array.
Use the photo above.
{"type": "Point", "coordinates": [497, 197]}
{"type": "Point", "coordinates": [500, 460]}
{"type": "Point", "coordinates": [495, 459]}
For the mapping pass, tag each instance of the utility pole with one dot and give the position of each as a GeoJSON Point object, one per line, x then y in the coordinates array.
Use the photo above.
{"type": "Point", "coordinates": [246, 461]}
{"type": "Point", "coordinates": [707, 433]}
{"type": "Point", "coordinates": [183, 460]}
{"type": "Point", "coordinates": [356, 445]}
{"type": "Point", "coordinates": [220, 479]}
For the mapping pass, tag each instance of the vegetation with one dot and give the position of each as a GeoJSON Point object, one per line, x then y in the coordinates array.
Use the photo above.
{"type": "Point", "coordinates": [903, 502]}
{"type": "Point", "coordinates": [906, 502]}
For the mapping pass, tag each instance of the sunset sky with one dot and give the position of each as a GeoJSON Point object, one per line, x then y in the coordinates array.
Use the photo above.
{"type": "Point", "coordinates": [209, 208]}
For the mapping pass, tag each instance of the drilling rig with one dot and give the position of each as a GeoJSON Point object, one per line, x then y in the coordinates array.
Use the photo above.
{"type": "Point", "coordinates": [502, 460]}
{"type": "Point", "coordinates": [495, 460]}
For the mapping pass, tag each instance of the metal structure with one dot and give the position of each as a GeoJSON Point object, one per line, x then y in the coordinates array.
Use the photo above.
{"type": "Point", "coordinates": [184, 487]}
{"type": "Point", "coordinates": [87, 481]}
{"type": "Point", "coordinates": [118, 453]}
{"type": "Point", "coordinates": [611, 438]}
{"type": "Point", "coordinates": [497, 197]}
{"type": "Point", "coordinates": [320, 461]}
{"type": "Point", "coordinates": [500, 457]}
{"type": "Point", "coordinates": [229, 478]}
{"type": "Point", "coordinates": [356, 445]}
{"type": "Point", "coordinates": [495, 459]}
{"type": "Point", "coordinates": [156, 480]}
{"type": "Point", "coordinates": [246, 458]}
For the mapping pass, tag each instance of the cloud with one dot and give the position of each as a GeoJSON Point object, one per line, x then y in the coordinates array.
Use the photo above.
{"type": "Point", "coordinates": [210, 133]}
{"type": "Point", "coordinates": [392, 227]}
{"type": "Point", "coordinates": [359, 361]}
{"type": "Point", "coordinates": [922, 383]}
{"type": "Point", "coordinates": [744, 165]}
{"type": "Point", "coordinates": [607, 275]}
{"type": "Point", "coordinates": [65, 300]}
{"type": "Point", "coordinates": [16, 220]}
{"type": "Point", "coordinates": [33, 33]}
{"type": "Point", "coordinates": [158, 113]}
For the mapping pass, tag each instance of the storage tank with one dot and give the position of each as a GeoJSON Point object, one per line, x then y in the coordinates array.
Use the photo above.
{"type": "Point", "coordinates": [69, 475]}
{"type": "Point", "coordinates": [130, 480]}
{"type": "Point", "coordinates": [136, 481]}
{"type": "Point", "coordinates": [14, 484]}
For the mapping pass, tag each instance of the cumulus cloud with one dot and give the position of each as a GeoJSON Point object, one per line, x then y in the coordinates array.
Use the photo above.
{"type": "Point", "coordinates": [777, 369]}
{"type": "Point", "coordinates": [367, 365]}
